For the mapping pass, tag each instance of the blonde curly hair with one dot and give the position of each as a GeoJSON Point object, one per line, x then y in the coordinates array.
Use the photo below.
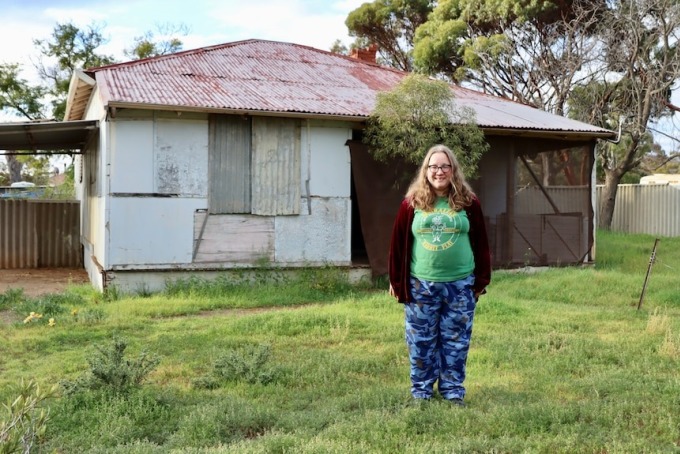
{"type": "Point", "coordinates": [422, 195]}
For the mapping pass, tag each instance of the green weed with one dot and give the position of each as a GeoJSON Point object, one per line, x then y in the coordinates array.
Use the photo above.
{"type": "Point", "coordinates": [248, 363]}
{"type": "Point", "coordinates": [561, 362]}
{"type": "Point", "coordinates": [110, 369]}
{"type": "Point", "coordinates": [11, 298]}
{"type": "Point", "coordinates": [24, 423]}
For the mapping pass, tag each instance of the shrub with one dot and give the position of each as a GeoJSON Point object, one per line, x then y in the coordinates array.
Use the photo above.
{"type": "Point", "coordinates": [25, 423]}
{"type": "Point", "coordinates": [11, 298]}
{"type": "Point", "coordinates": [111, 370]}
{"type": "Point", "coordinates": [247, 364]}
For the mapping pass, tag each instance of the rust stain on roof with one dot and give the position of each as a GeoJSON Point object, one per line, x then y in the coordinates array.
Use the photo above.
{"type": "Point", "coordinates": [274, 77]}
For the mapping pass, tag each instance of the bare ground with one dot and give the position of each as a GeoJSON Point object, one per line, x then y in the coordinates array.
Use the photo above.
{"type": "Point", "coordinates": [40, 281]}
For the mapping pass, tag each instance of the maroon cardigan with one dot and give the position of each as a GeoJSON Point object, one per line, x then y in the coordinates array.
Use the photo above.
{"type": "Point", "coordinates": [401, 246]}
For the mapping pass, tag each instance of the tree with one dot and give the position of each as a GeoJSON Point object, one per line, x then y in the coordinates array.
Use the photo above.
{"type": "Point", "coordinates": [391, 25]}
{"type": "Point", "coordinates": [24, 100]}
{"type": "Point", "coordinates": [609, 63]}
{"type": "Point", "coordinates": [339, 48]}
{"type": "Point", "coordinates": [417, 114]}
{"type": "Point", "coordinates": [150, 45]}
{"type": "Point", "coordinates": [69, 48]}
{"type": "Point", "coordinates": [640, 53]}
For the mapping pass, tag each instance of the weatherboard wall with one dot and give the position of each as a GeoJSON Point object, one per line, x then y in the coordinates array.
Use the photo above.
{"type": "Point", "coordinates": [155, 172]}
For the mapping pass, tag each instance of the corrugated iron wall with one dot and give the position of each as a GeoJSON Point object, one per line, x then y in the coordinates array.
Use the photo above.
{"type": "Point", "coordinates": [276, 166]}
{"type": "Point", "coordinates": [568, 199]}
{"type": "Point", "coordinates": [229, 164]}
{"type": "Point", "coordinates": [646, 208]}
{"type": "Point", "coordinates": [40, 234]}
{"type": "Point", "coordinates": [18, 237]}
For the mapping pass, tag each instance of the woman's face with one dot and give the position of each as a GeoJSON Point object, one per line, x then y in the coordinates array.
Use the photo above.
{"type": "Point", "coordinates": [439, 173]}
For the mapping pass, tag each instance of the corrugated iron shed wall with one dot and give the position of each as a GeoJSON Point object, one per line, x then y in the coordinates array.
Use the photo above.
{"type": "Point", "coordinates": [39, 233]}
{"type": "Point", "coordinates": [58, 231]}
{"type": "Point", "coordinates": [18, 238]}
{"type": "Point", "coordinates": [653, 209]}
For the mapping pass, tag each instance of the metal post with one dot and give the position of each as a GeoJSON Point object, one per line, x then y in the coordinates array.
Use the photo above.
{"type": "Point", "coordinates": [649, 270]}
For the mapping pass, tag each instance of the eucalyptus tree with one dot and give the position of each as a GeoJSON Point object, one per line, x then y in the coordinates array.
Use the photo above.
{"type": "Point", "coordinates": [68, 47]}
{"type": "Point", "coordinates": [19, 97]}
{"type": "Point", "coordinates": [391, 25]}
{"type": "Point", "coordinates": [611, 63]}
{"type": "Point", "coordinates": [642, 59]}
{"type": "Point", "coordinates": [162, 42]}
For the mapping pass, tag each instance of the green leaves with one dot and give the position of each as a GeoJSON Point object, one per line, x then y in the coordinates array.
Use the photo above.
{"type": "Point", "coordinates": [418, 114]}
{"type": "Point", "coordinates": [24, 422]}
{"type": "Point", "coordinates": [17, 95]}
{"type": "Point", "coordinates": [110, 369]}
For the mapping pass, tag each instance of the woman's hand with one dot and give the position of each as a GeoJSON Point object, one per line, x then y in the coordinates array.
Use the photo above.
{"type": "Point", "coordinates": [392, 292]}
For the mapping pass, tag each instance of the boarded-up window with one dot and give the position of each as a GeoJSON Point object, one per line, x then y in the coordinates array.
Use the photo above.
{"type": "Point", "coordinates": [276, 166]}
{"type": "Point", "coordinates": [229, 164]}
{"type": "Point", "coordinates": [179, 157]}
{"type": "Point", "coordinates": [254, 165]}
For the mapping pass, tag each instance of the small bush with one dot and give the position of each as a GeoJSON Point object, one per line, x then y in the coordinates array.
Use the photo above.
{"type": "Point", "coordinates": [111, 370]}
{"type": "Point", "coordinates": [54, 304]}
{"type": "Point", "coordinates": [24, 423]}
{"type": "Point", "coordinates": [12, 298]}
{"type": "Point", "coordinates": [111, 293]}
{"type": "Point", "coordinates": [89, 316]}
{"type": "Point", "coordinates": [246, 364]}
{"type": "Point", "coordinates": [222, 422]}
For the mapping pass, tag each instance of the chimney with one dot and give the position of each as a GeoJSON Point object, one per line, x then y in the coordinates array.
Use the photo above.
{"type": "Point", "coordinates": [367, 55]}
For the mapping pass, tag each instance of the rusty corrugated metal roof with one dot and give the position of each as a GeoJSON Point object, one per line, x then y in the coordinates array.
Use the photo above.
{"type": "Point", "coordinates": [274, 77]}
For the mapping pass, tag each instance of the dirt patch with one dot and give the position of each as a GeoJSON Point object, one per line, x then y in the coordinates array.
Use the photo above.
{"type": "Point", "coordinates": [40, 281]}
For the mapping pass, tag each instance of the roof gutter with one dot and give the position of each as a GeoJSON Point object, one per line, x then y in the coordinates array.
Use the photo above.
{"type": "Point", "coordinates": [262, 113]}
{"type": "Point", "coordinates": [490, 131]}
{"type": "Point", "coordinates": [550, 133]}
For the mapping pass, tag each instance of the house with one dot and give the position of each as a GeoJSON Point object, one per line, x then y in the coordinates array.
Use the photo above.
{"type": "Point", "coordinates": [248, 154]}
{"type": "Point", "coordinates": [661, 178]}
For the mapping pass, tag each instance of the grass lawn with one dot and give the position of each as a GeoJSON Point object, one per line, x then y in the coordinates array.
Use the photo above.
{"type": "Point", "coordinates": [562, 361]}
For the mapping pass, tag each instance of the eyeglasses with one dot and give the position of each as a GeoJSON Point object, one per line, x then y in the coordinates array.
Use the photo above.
{"type": "Point", "coordinates": [446, 168]}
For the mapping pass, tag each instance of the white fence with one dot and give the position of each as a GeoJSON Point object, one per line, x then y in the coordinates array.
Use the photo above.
{"type": "Point", "coordinates": [653, 209]}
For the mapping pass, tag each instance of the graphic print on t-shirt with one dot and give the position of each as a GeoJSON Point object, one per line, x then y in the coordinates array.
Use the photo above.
{"type": "Point", "coordinates": [439, 229]}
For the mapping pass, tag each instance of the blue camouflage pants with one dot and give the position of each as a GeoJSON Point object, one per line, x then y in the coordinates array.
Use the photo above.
{"type": "Point", "coordinates": [438, 331]}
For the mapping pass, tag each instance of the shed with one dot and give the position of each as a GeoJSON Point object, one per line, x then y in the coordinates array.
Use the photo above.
{"type": "Point", "coordinates": [248, 154]}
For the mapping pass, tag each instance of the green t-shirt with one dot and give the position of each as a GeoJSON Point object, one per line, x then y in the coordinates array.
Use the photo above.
{"type": "Point", "coordinates": [441, 250]}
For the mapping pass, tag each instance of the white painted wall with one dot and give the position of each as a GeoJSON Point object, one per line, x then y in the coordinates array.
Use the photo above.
{"type": "Point", "coordinates": [321, 234]}
{"type": "Point", "coordinates": [147, 154]}
{"type": "Point", "coordinates": [132, 159]}
{"type": "Point", "coordinates": [155, 154]}
{"type": "Point", "coordinates": [180, 159]}
{"type": "Point", "coordinates": [151, 230]}
{"type": "Point", "coordinates": [91, 192]}
{"type": "Point", "coordinates": [326, 159]}
{"type": "Point", "coordinates": [323, 237]}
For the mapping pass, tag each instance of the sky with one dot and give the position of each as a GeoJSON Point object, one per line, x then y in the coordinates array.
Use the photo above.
{"type": "Point", "coordinates": [315, 23]}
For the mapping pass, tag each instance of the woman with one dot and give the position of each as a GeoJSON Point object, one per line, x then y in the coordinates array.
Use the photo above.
{"type": "Point", "coordinates": [439, 265]}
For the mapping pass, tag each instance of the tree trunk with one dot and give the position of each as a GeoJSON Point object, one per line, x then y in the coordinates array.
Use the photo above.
{"type": "Point", "coordinates": [14, 167]}
{"type": "Point", "coordinates": [608, 200]}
